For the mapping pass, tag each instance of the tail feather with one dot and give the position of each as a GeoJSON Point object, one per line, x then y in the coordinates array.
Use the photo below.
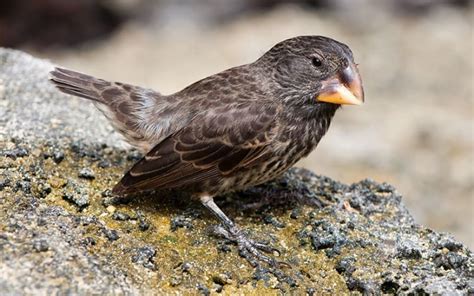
{"type": "Point", "coordinates": [79, 84]}
{"type": "Point", "coordinates": [117, 101]}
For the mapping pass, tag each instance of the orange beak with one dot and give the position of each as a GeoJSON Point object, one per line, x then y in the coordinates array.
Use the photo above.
{"type": "Point", "coordinates": [345, 88]}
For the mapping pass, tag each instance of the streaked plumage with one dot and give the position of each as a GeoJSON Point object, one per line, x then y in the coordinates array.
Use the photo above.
{"type": "Point", "coordinates": [235, 129]}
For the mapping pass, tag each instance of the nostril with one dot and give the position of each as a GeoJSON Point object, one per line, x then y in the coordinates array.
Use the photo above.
{"type": "Point", "coordinates": [346, 76]}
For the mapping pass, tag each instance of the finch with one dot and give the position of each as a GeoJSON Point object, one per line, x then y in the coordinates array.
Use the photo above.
{"type": "Point", "coordinates": [232, 130]}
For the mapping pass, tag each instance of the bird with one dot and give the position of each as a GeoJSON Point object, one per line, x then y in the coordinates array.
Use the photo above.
{"type": "Point", "coordinates": [232, 130]}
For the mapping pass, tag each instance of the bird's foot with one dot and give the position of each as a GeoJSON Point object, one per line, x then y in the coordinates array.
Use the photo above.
{"type": "Point", "coordinates": [250, 249]}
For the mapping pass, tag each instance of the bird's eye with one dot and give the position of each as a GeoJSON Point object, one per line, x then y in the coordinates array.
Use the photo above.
{"type": "Point", "coordinates": [316, 62]}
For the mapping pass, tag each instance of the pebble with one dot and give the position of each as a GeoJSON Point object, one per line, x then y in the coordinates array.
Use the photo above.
{"type": "Point", "coordinates": [89, 241]}
{"type": "Point", "coordinates": [295, 213]}
{"type": "Point", "coordinates": [354, 284]}
{"type": "Point", "coordinates": [180, 222]}
{"type": "Point", "coordinates": [450, 244]}
{"type": "Point", "coordinates": [80, 200]}
{"type": "Point", "coordinates": [218, 288]}
{"type": "Point", "coordinates": [222, 279]}
{"type": "Point", "coordinates": [24, 186]}
{"type": "Point", "coordinates": [203, 289]}
{"type": "Point", "coordinates": [40, 245]}
{"type": "Point", "coordinates": [176, 280]}
{"type": "Point", "coordinates": [4, 183]}
{"type": "Point", "coordinates": [408, 249]}
{"type": "Point", "coordinates": [451, 260]}
{"type": "Point", "coordinates": [111, 234]}
{"type": "Point", "coordinates": [323, 241]}
{"type": "Point", "coordinates": [87, 220]}
{"type": "Point", "coordinates": [58, 156]}
{"type": "Point", "coordinates": [269, 219]}
{"type": "Point", "coordinates": [44, 189]}
{"type": "Point", "coordinates": [186, 266]}
{"type": "Point", "coordinates": [120, 216]}
{"type": "Point", "coordinates": [311, 291]}
{"type": "Point", "coordinates": [41, 221]}
{"type": "Point", "coordinates": [345, 266]}
{"type": "Point", "coordinates": [103, 164]}
{"type": "Point", "coordinates": [86, 173]}
{"type": "Point", "coordinates": [15, 153]}
{"type": "Point", "coordinates": [144, 256]}
{"type": "Point", "coordinates": [143, 225]}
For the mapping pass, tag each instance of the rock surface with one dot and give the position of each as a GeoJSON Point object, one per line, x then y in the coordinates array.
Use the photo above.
{"type": "Point", "coordinates": [61, 231]}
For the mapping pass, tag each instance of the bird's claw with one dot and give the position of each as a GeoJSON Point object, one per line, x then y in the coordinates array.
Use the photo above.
{"type": "Point", "coordinates": [250, 249]}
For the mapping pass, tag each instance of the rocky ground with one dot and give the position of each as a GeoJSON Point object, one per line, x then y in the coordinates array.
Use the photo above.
{"type": "Point", "coordinates": [61, 231]}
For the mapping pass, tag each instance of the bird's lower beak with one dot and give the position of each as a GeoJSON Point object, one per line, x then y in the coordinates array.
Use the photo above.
{"type": "Point", "coordinates": [345, 88]}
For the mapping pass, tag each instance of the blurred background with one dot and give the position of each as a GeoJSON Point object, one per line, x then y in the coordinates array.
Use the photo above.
{"type": "Point", "coordinates": [416, 130]}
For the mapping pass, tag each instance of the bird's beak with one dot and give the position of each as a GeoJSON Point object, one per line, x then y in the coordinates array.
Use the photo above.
{"type": "Point", "coordinates": [345, 88]}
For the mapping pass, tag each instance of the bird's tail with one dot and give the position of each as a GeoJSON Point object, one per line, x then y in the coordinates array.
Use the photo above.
{"type": "Point", "coordinates": [78, 84]}
{"type": "Point", "coordinates": [121, 103]}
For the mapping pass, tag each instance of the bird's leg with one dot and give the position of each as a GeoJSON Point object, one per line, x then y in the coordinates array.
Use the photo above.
{"type": "Point", "coordinates": [248, 248]}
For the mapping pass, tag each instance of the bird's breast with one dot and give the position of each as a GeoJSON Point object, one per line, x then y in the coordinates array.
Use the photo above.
{"type": "Point", "coordinates": [298, 138]}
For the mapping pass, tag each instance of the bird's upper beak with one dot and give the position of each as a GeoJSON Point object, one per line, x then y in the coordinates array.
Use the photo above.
{"type": "Point", "coordinates": [344, 88]}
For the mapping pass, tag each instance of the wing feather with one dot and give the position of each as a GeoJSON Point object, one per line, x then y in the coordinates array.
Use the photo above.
{"type": "Point", "coordinates": [204, 150]}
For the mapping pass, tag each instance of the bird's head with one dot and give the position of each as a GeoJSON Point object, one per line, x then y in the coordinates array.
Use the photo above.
{"type": "Point", "coordinates": [313, 71]}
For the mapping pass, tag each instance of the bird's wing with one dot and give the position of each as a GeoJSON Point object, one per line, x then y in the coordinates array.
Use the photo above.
{"type": "Point", "coordinates": [212, 146]}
